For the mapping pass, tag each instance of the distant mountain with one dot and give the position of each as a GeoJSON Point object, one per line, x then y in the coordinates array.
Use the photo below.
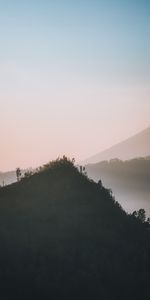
{"type": "Point", "coordinates": [10, 177]}
{"type": "Point", "coordinates": [63, 236]}
{"type": "Point", "coordinates": [136, 146]}
{"type": "Point", "coordinates": [7, 177]}
{"type": "Point", "coordinates": [129, 181]}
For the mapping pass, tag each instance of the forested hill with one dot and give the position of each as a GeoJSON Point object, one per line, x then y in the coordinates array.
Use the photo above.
{"type": "Point", "coordinates": [63, 236]}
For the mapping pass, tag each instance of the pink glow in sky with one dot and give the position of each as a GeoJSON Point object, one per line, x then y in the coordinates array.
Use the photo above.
{"type": "Point", "coordinates": [74, 78]}
{"type": "Point", "coordinates": [42, 117]}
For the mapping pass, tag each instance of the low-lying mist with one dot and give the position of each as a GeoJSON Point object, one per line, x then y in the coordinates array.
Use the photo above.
{"type": "Point", "coordinates": [129, 181]}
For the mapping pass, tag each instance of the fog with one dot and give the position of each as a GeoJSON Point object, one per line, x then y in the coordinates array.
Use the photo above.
{"type": "Point", "coordinates": [129, 181]}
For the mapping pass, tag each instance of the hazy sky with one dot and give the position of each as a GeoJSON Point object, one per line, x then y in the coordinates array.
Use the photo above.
{"type": "Point", "coordinates": [74, 77]}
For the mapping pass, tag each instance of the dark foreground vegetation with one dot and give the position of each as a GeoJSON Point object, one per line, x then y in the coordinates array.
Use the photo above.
{"type": "Point", "coordinates": [63, 236]}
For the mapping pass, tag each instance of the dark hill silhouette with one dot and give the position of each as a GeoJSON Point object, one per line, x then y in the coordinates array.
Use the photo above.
{"type": "Point", "coordinates": [136, 146]}
{"type": "Point", "coordinates": [63, 236]}
{"type": "Point", "coordinates": [129, 181]}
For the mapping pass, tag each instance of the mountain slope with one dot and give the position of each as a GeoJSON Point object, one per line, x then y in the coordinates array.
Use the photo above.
{"type": "Point", "coordinates": [10, 176]}
{"type": "Point", "coordinates": [7, 177]}
{"type": "Point", "coordinates": [129, 181]}
{"type": "Point", "coordinates": [62, 235]}
{"type": "Point", "coordinates": [136, 146]}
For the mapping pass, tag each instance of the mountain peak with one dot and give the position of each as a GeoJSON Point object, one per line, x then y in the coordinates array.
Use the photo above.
{"type": "Point", "coordinates": [135, 146]}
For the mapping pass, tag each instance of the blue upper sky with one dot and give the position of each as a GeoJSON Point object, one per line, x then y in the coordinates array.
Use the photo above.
{"type": "Point", "coordinates": [93, 35]}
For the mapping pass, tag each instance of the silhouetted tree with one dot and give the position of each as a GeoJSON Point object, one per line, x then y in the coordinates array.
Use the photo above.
{"type": "Point", "coordinates": [135, 214]}
{"type": "Point", "coordinates": [18, 174]}
{"type": "Point", "coordinates": [148, 221]}
{"type": "Point", "coordinates": [81, 169]}
{"type": "Point", "coordinates": [100, 183]}
{"type": "Point", "coordinates": [28, 174]}
{"type": "Point", "coordinates": [73, 161]}
{"type": "Point", "coordinates": [140, 214]}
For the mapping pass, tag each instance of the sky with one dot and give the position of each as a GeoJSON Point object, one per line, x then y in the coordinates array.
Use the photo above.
{"type": "Point", "coordinates": [74, 77]}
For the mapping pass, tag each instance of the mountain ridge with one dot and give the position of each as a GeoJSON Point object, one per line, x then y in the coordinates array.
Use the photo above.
{"type": "Point", "coordinates": [63, 235]}
{"type": "Point", "coordinates": [137, 145]}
